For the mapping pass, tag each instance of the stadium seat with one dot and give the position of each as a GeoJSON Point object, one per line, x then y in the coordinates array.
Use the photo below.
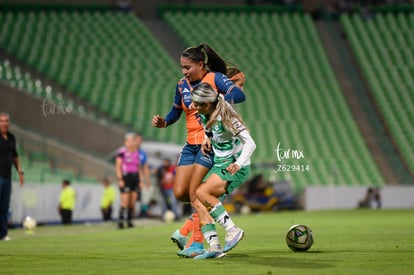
{"type": "Point", "coordinates": [381, 48]}
{"type": "Point", "coordinates": [96, 55]}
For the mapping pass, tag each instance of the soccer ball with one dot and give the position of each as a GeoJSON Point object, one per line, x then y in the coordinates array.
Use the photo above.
{"type": "Point", "coordinates": [245, 210]}
{"type": "Point", "coordinates": [29, 223]}
{"type": "Point", "coordinates": [299, 238]}
{"type": "Point", "coordinates": [169, 216]}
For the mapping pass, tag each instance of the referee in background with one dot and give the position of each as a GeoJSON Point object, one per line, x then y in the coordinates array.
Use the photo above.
{"type": "Point", "coordinates": [8, 157]}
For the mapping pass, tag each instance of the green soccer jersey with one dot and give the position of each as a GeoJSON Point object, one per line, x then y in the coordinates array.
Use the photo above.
{"type": "Point", "coordinates": [226, 145]}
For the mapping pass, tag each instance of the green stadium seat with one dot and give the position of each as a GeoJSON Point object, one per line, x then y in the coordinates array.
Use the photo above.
{"type": "Point", "coordinates": [382, 49]}
{"type": "Point", "coordinates": [88, 53]}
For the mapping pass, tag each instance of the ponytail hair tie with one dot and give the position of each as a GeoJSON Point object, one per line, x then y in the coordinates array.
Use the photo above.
{"type": "Point", "coordinates": [205, 56]}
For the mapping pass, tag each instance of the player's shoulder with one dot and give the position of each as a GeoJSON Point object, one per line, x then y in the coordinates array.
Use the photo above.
{"type": "Point", "coordinates": [219, 75]}
{"type": "Point", "coordinates": [182, 81]}
{"type": "Point", "coordinates": [220, 78]}
{"type": "Point", "coordinates": [142, 156]}
{"type": "Point", "coordinates": [121, 152]}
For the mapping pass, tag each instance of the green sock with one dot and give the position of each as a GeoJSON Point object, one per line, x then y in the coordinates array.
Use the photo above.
{"type": "Point", "coordinates": [210, 234]}
{"type": "Point", "coordinates": [222, 217]}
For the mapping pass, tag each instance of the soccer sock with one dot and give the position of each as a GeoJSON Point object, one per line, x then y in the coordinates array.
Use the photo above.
{"type": "Point", "coordinates": [222, 217]}
{"type": "Point", "coordinates": [210, 234]}
{"type": "Point", "coordinates": [130, 211]}
{"type": "Point", "coordinates": [187, 226]}
{"type": "Point", "coordinates": [197, 235]}
{"type": "Point", "coordinates": [122, 214]}
{"type": "Point", "coordinates": [190, 241]}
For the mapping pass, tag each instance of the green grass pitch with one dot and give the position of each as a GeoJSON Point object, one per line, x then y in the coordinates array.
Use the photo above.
{"type": "Point", "coordinates": [345, 242]}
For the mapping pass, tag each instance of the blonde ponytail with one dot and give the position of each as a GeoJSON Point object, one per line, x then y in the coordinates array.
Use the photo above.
{"type": "Point", "coordinates": [227, 114]}
{"type": "Point", "coordinates": [203, 93]}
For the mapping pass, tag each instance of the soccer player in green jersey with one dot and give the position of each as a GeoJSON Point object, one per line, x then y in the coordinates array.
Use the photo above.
{"type": "Point", "coordinates": [228, 137]}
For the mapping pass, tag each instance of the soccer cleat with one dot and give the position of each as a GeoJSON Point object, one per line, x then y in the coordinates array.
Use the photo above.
{"type": "Point", "coordinates": [211, 253]}
{"type": "Point", "coordinates": [6, 238]}
{"type": "Point", "coordinates": [120, 225]}
{"type": "Point", "coordinates": [233, 237]}
{"type": "Point", "coordinates": [179, 239]}
{"type": "Point", "coordinates": [192, 251]}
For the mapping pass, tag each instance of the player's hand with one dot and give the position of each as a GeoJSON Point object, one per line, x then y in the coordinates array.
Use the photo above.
{"type": "Point", "coordinates": [158, 121]}
{"type": "Point", "coordinates": [121, 183]}
{"type": "Point", "coordinates": [191, 107]}
{"type": "Point", "coordinates": [206, 146]}
{"type": "Point", "coordinates": [233, 168]}
{"type": "Point", "coordinates": [21, 179]}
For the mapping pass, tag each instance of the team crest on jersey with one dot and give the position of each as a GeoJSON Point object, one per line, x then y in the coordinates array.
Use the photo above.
{"type": "Point", "coordinates": [186, 97]}
{"type": "Point", "coordinates": [216, 128]}
{"type": "Point", "coordinates": [186, 94]}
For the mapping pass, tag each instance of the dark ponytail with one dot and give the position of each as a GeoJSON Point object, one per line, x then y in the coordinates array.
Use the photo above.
{"type": "Point", "coordinates": [204, 53]}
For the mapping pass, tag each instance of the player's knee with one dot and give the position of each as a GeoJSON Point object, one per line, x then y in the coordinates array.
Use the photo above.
{"type": "Point", "coordinates": [181, 194]}
{"type": "Point", "coordinates": [199, 194]}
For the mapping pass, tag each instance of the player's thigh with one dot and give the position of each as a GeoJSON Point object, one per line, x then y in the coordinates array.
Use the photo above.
{"type": "Point", "coordinates": [125, 199]}
{"type": "Point", "coordinates": [182, 181]}
{"type": "Point", "coordinates": [133, 198]}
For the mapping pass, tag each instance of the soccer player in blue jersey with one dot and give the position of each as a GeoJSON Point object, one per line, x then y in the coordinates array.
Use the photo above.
{"type": "Point", "coordinates": [200, 64]}
{"type": "Point", "coordinates": [146, 174]}
{"type": "Point", "coordinates": [228, 137]}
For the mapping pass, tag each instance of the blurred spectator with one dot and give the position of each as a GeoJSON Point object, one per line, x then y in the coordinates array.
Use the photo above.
{"type": "Point", "coordinates": [366, 13]}
{"type": "Point", "coordinates": [108, 198]}
{"type": "Point", "coordinates": [146, 174]}
{"type": "Point", "coordinates": [67, 202]}
{"type": "Point", "coordinates": [124, 5]}
{"type": "Point", "coordinates": [165, 177]}
{"type": "Point", "coordinates": [257, 185]}
{"type": "Point", "coordinates": [8, 158]}
{"type": "Point", "coordinates": [372, 199]}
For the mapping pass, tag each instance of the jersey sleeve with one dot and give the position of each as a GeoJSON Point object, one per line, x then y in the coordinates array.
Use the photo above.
{"type": "Point", "coordinates": [232, 93]}
{"type": "Point", "coordinates": [120, 155]}
{"type": "Point", "coordinates": [238, 126]}
{"type": "Point", "coordinates": [248, 147]}
{"type": "Point", "coordinates": [143, 157]}
{"type": "Point", "coordinates": [176, 110]}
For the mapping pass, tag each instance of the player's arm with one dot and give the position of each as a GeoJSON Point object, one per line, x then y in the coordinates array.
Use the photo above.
{"type": "Point", "coordinates": [145, 170]}
{"type": "Point", "coordinates": [206, 145]}
{"type": "Point", "coordinates": [118, 170]}
{"type": "Point", "coordinates": [16, 163]}
{"type": "Point", "coordinates": [147, 174]}
{"type": "Point", "coordinates": [60, 200]}
{"type": "Point", "coordinates": [248, 147]}
{"type": "Point", "coordinates": [172, 116]}
{"type": "Point", "coordinates": [232, 93]}
{"type": "Point", "coordinates": [140, 177]}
